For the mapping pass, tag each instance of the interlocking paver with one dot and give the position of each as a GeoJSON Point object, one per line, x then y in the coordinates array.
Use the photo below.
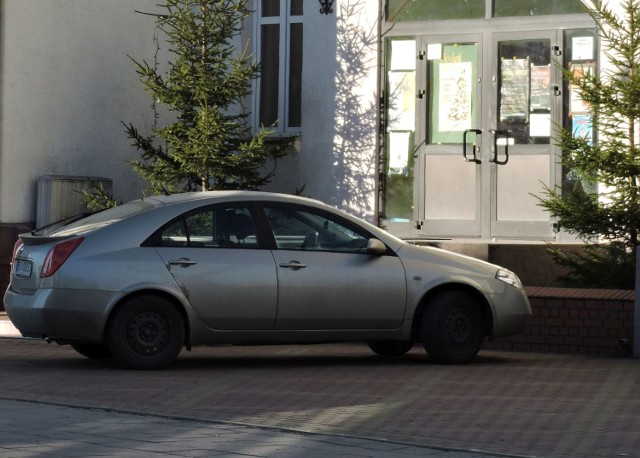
{"type": "Point", "coordinates": [505, 403]}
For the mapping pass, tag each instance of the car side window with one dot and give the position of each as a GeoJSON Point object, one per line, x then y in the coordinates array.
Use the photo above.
{"type": "Point", "coordinates": [297, 228]}
{"type": "Point", "coordinates": [218, 227]}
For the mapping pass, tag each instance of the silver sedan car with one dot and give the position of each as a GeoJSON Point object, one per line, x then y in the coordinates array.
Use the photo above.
{"type": "Point", "coordinates": [141, 281]}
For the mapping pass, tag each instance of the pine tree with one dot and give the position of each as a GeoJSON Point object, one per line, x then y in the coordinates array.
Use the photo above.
{"type": "Point", "coordinates": [209, 144]}
{"type": "Point", "coordinates": [608, 220]}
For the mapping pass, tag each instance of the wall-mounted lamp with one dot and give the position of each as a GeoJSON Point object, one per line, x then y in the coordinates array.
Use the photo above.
{"type": "Point", "coordinates": [326, 6]}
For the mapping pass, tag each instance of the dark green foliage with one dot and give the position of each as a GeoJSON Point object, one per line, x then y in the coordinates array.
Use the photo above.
{"type": "Point", "coordinates": [601, 266]}
{"type": "Point", "coordinates": [209, 144]}
{"type": "Point", "coordinates": [613, 215]}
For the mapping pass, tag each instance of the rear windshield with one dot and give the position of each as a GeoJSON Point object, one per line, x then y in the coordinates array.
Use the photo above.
{"type": "Point", "coordinates": [97, 220]}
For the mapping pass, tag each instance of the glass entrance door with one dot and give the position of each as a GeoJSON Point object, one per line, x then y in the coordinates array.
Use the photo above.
{"type": "Point", "coordinates": [526, 92]}
{"type": "Point", "coordinates": [486, 147]}
{"type": "Point", "coordinates": [452, 181]}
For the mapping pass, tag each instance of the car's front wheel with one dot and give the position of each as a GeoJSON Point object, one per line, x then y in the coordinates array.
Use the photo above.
{"type": "Point", "coordinates": [390, 347]}
{"type": "Point", "coordinates": [453, 328]}
{"type": "Point", "coordinates": [146, 332]}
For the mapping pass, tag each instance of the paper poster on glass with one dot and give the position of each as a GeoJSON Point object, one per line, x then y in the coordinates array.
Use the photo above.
{"type": "Point", "coordinates": [514, 88]}
{"type": "Point", "coordinates": [403, 55]}
{"type": "Point", "coordinates": [583, 128]}
{"type": "Point", "coordinates": [582, 48]}
{"type": "Point", "coordinates": [402, 101]}
{"type": "Point", "coordinates": [540, 88]}
{"type": "Point", "coordinates": [455, 96]}
{"type": "Point", "coordinates": [540, 124]}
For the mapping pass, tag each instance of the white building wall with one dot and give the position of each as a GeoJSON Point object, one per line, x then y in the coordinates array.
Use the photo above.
{"type": "Point", "coordinates": [339, 108]}
{"type": "Point", "coordinates": [67, 84]}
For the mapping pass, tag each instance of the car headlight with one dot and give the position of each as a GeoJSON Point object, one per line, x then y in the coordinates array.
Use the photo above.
{"type": "Point", "coordinates": [509, 278]}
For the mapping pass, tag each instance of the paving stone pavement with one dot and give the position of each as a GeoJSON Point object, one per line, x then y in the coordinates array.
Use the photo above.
{"type": "Point", "coordinates": [29, 429]}
{"type": "Point", "coordinates": [513, 404]}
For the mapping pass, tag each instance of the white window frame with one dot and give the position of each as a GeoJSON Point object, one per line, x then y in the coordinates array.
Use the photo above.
{"type": "Point", "coordinates": [284, 20]}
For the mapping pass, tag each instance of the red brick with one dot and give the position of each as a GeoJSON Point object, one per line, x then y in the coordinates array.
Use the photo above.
{"type": "Point", "coordinates": [592, 323]}
{"type": "Point", "coordinates": [554, 322]}
{"type": "Point", "coordinates": [593, 305]}
{"type": "Point", "coordinates": [573, 322]}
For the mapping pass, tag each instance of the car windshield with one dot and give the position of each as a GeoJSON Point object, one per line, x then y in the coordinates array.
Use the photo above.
{"type": "Point", "coordinates": [82, 224]}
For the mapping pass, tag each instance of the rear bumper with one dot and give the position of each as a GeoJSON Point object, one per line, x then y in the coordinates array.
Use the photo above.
{"type": "Point", "coordinates": [60, 314]}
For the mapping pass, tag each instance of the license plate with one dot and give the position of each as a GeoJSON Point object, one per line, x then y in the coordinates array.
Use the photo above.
{"type": "Point", "coordinates": [22, 268]}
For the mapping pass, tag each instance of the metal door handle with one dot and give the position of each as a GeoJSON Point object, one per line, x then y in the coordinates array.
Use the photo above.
{"type": "Point", "coordinates": [293, 265]}
{"type": "Point", "coordinates": [474, 149]}
{"type": "Point", "coordinates": [496, 134]}
{"type": "Point", "coordinates": [182, 262]}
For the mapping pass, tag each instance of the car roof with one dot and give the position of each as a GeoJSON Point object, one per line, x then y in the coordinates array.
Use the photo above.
{"type": "Point", "coordinates": [171, 199]}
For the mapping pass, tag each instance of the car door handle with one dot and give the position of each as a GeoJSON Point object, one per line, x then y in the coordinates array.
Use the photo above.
{"type": "Point", "coordinates": [293, 265]}
{"type": "Point", "coordinates": [183, 262]}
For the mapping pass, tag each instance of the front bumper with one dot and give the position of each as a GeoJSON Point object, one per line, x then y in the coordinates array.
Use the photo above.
{"type": "Point", "coordinates": [512, 310]}
{"type": "Point", "coordinates": [60, 314]}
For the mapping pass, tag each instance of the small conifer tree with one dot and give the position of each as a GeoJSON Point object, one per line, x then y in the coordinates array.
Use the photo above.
{"type": "Point", "coordinates": [607, 219]}
{"type": "Point", "coordinates": [208, 145]}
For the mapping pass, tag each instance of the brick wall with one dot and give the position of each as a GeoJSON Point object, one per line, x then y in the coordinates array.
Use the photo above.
{"type": "Point", "coordinates": [580, 321]}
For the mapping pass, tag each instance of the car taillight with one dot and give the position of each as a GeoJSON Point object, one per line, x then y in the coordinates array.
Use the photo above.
{"type": "Point", "coordinates": [58, 255]}
{"type": "Point", "coordinates": [16, 247]}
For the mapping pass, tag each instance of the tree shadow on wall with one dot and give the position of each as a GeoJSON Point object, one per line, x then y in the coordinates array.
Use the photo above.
{"type": "Point", "coordinates": [354, 153]}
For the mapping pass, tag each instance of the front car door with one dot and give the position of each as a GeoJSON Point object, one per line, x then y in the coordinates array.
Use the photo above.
{"type": "Point", "coordinates": [326, 280]}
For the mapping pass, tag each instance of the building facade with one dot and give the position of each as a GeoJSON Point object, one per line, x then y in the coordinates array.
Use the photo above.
{"type": "Point", "coordinates": [433, 119]}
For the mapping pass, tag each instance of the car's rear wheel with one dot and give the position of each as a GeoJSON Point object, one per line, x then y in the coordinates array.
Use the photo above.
{"type": "Point", "coordinates": [146, 332]}
{"type": "Point", "coordinates": [390, 347]}
{"type": "Point", "coordinates": [453, 328]}
{"type": "Point", "coordinates": [99, 351]}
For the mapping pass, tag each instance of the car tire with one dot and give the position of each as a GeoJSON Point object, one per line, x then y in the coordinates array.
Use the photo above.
{"type": "Point", "coordinates": [93, 351]}
{"type": "Point", "coordinates": [453, 328]}
{"type": "Point", "coordinates": [390, 347]}
{"type": "Point", "coordinates": [146, 332]}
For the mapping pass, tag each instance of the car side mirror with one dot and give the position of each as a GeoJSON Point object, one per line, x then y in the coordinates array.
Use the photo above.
{"type": "Point", "coordinates": [375, 246]}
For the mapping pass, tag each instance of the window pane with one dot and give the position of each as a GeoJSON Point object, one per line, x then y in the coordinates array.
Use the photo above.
{"type": "Point", "coordinates": [400, 126]}
{"type": "Point", "coordinates": [453, 93]}
{"type": "Point", "coordinates": [173, 235]}
{"type": "Point", "coordinates": [295, 76]}
{"type": "Point", "coordinates": [537, 7]}
{"type": "Point", "coordinates": [296, 7]}
{"type": "Point", "coordinates": [430, 10]}
{"type": "Point", "coordinates": [234, 227]}
{"type": "Point", "coordinates": [299, 229]}
{"type": "Point", "coordinates": [200, 228]}
{"type": "Point", "coordinates": [524, 104]}
{"type": "Point", "coordinates": [270, 74]}
{"type": "Point", "coordinates": [270, 8]}
{"type": "Point", "coordinates": [581, 55]}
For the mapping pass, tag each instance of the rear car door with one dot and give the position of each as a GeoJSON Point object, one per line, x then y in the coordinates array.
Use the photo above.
{"type": "Point", "coordinates": [326, 279]}
{"type": "Point", "coordinates": [217, 258]}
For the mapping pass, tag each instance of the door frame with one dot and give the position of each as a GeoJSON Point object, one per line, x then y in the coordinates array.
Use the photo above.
{"type": "Point", "coordinates": [441, 31]}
